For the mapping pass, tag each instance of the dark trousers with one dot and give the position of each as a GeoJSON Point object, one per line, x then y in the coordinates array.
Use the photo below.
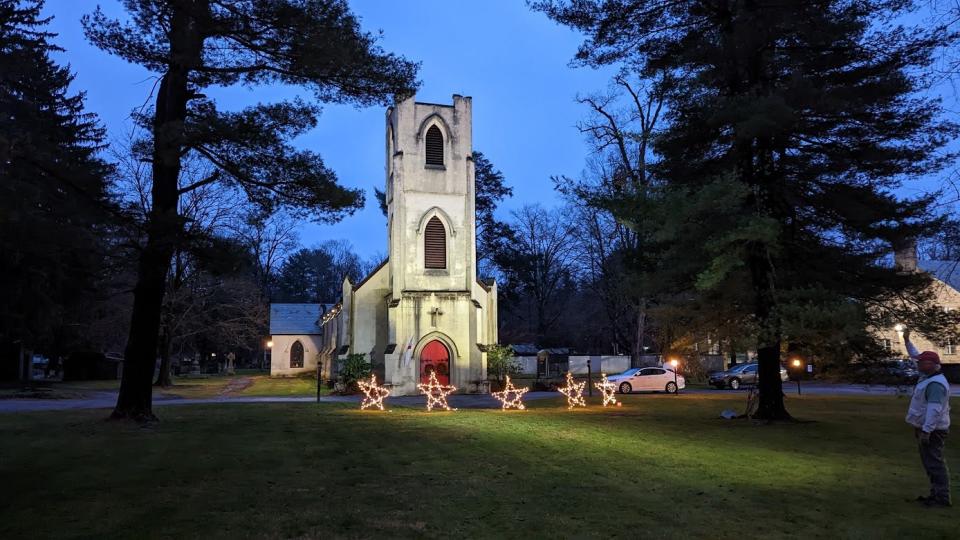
{"type": "Point", "coordinates": [931, 454]}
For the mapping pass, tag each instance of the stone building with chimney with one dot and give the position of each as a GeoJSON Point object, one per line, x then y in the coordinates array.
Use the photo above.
{"type": "Point", "coordinates": [946, 288]}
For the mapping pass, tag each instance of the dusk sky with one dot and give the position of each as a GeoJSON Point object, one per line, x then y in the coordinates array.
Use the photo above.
{"type": "Point", "coordinates": [512, 61]}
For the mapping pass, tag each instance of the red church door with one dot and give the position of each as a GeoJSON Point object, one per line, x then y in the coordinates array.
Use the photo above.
{"type": "Point", "coordinates": [435, 357]}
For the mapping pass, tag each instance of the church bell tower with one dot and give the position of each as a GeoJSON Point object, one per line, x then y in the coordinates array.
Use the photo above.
{"type": "Point", "coordinates": [439, 314]}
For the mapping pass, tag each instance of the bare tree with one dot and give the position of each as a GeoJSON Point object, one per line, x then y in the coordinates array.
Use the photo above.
{"type": "Point", "coordinates": [539, 265]}
{"type": "Point", "coordinates": [270, 239]}
{"type": "Point", "coordinates": [618, 253]}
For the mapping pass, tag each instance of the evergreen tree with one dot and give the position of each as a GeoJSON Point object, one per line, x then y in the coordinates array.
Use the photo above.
{"type": "Point", "coordinates": [316, 275]}
{"type": "Point", "coordinates": [492, 234]}
{"type": "Point", "coordinates": [803, 117]}
{"type": "Point", "coordinates": [195, 45]}
{"type": "Point", "coordinates": [53, 190]}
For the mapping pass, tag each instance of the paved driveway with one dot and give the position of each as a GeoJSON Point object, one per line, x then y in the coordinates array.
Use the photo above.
{"type": "Point", "coordinates": [814, 388]}
{"type": "Point", "coordinates": [106, 400]}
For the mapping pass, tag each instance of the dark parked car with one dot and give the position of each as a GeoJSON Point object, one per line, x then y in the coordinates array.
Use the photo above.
{"type": "Point", "coordinates": [890, 372]}
{"type": "Point", "coordinates": [740, 375]}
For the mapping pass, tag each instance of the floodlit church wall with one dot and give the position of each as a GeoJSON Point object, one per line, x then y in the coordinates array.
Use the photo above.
{"type": "Point", "coordinates": [420, 207]}
{"type": "Point", "coordinates": [280, 354]}
{"type": "Point", "coordinates": [369, 306]}
{"type": "Point", "coordinates": [413, 319]}
{"type": "Point", "coordinates": [486, 315]}
{"type": "Point", "coordinates": [421, 190]}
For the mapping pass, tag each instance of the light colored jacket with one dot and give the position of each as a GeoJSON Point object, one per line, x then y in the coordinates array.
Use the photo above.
{"type": "Point", "coordinates": [929, 416]}
{"type": "Point", "coordinates": [923, 414]}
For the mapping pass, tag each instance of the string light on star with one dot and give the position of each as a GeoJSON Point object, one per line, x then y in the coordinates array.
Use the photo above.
{"type": "Point", "coordinates": [374, 394]}
{"type": "Point", "coordinates": [574, 392]}
{"type": "Point", "coordinates": [609, 391]}
{"type": "Point", "coordinates": [436, 393]}
{"type": "Point", "coordinates": [508, 402]}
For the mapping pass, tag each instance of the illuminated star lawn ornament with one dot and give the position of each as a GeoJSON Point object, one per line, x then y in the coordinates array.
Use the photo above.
{"type": "Point", "coordinates": [609, 390]}
{"type": "Point", "coordinates": [515, 402]}
{"type": "Point", "coordinates": [375, 394]}
{"type": "Point", "coordinates": [436, 393]}
{"type": "Point", "coordinates": [573, 391]}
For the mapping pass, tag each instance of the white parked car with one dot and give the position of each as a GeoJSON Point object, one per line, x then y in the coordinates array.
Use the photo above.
{"type": "Point", "coordinates": [647, 379]}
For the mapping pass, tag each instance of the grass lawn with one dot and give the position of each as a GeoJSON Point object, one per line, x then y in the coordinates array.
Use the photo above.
{"type": "Point", "coordinates": [243, 386]}
{"type": "Point", "coordinates": [659, 466]}
{"type": "Point", "coordinates": [253, 383]}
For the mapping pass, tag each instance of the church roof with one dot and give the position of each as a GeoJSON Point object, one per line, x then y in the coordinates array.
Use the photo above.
{"type": "Point", "coordinates": [296, 318]}
{"type": "Point", "coordinates": [946, 271]}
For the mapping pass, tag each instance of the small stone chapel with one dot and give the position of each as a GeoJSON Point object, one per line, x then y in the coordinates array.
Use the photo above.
{"type": "Point", "coordinates": [423, 310]}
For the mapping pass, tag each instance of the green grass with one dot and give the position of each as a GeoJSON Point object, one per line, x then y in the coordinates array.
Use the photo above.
{"type": "Point", "coordinates": [661, 466]}
{"type": "Point", "coordinates": [185, 387]}
{"type": "Point", "coordinates": [283, 386]}
{"type": "Point", "coordinates": [243, 386]}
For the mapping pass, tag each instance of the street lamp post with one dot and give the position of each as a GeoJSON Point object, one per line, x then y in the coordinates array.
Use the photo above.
{"type": "Point", "coordinates": [264, 363]}
{"type": "Point", "coordinates": [676, 386]}
{"type": "Point", "coordinates": [797, 373]}
{"type": "Point", "coordinates": [589, 378]}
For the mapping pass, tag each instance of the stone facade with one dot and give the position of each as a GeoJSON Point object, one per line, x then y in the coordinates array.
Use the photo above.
{"type": "Point", "coordinates": [411, 316]}
{"type": "Point", "coordinates": [291, 324]}
{"type": "Point", "coordinates": [946, 282]}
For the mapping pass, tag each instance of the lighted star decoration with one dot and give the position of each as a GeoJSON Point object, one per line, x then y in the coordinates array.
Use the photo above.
{"type": "Point", "coordinates": [374, 394]}
{"type": "Point", "coordinates": [508, 402]}
{"type": "Point", "coordinates": [573, 391]}
{"type": "Point", "coordinates": [436, 393]}
{"type": "Point", "coordinates": [609, 391]}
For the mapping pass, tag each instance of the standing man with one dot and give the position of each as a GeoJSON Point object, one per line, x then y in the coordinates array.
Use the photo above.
{"type": "Point", "coordinates": [929, 414]}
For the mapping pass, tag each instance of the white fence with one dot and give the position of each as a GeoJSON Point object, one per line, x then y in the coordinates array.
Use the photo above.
{"type": "Point", "coordinates": [609, 364]}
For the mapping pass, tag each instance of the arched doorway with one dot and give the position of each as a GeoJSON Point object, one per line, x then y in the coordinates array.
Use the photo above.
{"type": "Point", "coordinates": [435, 357]}
{"type": "Point", "coordinates": [296, 355]}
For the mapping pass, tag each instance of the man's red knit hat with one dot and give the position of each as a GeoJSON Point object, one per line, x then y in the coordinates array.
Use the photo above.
{"type": "Point", "coordinates": [928, 356]}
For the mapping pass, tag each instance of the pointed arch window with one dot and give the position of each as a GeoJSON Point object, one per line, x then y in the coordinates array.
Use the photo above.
{"type": "Point", "coordinates": [296, 355]}
{"type": "Point", "coordinates": [434, 146]}
{"type": "Point", "coordinates": [435, 244]}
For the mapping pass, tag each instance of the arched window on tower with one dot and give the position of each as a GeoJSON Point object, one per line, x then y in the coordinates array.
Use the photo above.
{"type": "Point", "coordinates": [434, 146]}
{"type": "Point", "coordinates": [435, 244]}
{"type": "Point", "coordinates": [296, 355]}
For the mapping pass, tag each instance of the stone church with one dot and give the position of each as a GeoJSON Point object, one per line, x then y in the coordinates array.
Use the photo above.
{"type": "Point", "coordinates": [423, 310]}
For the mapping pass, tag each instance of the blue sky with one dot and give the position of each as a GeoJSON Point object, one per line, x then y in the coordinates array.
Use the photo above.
{"type": "Point", "coordinates": [513, 62]}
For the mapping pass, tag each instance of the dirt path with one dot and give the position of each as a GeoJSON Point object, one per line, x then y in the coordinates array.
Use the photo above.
{"type": "Point", "coordinates": [236, 385]}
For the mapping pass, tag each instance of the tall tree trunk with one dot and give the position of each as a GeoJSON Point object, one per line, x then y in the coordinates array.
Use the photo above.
{"type": "Point", "coordinates": [163, 223]}
{"type": "Point", "coordinates": [770, 401]}
{"type": "Point", "coordinates": [636, 361]}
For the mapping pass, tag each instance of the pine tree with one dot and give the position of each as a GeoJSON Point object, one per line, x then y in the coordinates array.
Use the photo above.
{"type": "Point", "coordinates": [492, 234]}
{"type": "Point", "coordinates": [198, 44]}
{"type": "Point", "coordinates": [804, 117]}
{"type": "Point", "coordinates": [53, 188]}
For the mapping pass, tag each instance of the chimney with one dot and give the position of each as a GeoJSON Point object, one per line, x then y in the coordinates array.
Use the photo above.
{"type": "Point", "coordinates": [905, 255]}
